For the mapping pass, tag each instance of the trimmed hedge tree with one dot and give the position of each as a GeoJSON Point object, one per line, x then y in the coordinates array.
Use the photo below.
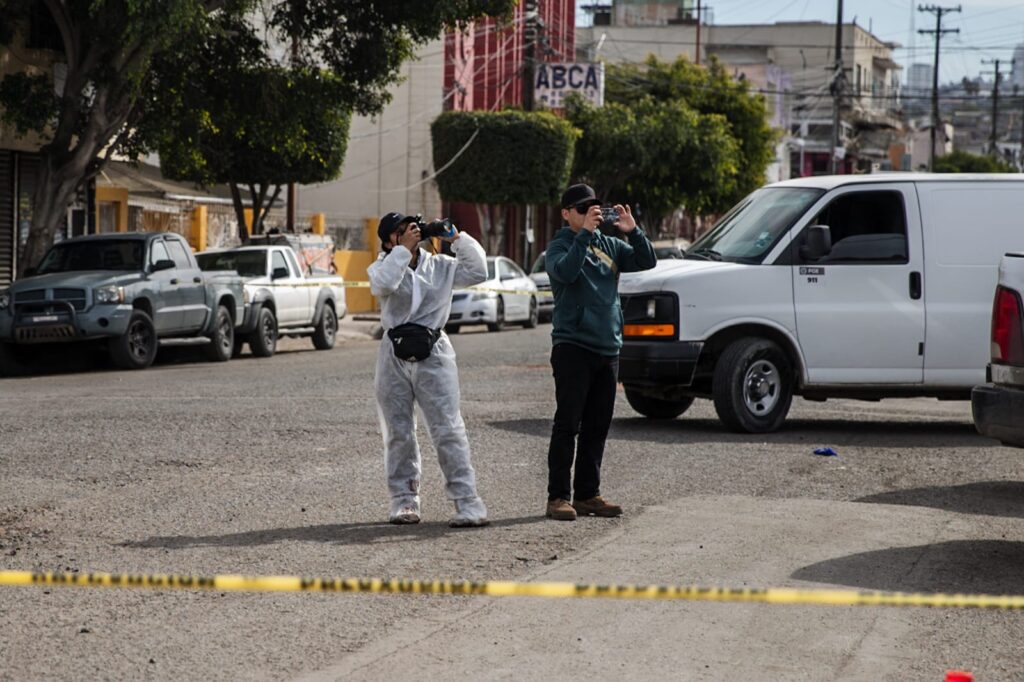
{"type": "Point", "coordinates": [497, 159]}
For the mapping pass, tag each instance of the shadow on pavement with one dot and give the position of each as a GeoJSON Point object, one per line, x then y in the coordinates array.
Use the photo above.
{"type": "Point", "coordinates": [959, 566]}
{"type": "Point", "coordinates": [989, 498]}
{"type": "Point", "coordinates": [834, 432]}
{"type": "Point", "coordinates": [338, 533]}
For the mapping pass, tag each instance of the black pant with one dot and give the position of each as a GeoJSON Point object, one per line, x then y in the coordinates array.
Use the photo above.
{"type": "Point", "coordinates": [585, 394]}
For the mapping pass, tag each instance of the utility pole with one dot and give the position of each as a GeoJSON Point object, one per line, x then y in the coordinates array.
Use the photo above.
{"type": "Point", "coordinates": [531, 34]}
{"type": "Point", "coordinates": [993, 136]}
{"type": "Point", "coordinates": [293, 195]}
{"type": "Point", "coordinates": [697, 54]}
{"type": "Point", "coordinates": [938, 32]}
{"type": "Point", "coordinates": [837, 86]}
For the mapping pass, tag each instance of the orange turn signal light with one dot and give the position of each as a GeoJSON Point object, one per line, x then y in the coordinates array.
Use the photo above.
{"type": "Point", "coordinates": [649, 330]}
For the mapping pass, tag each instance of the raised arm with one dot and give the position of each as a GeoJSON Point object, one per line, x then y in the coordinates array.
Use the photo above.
{"type": "Point", "coordinates": [564, 261]}
{"type": "Point", "coordinates": [637, 254]}
{"type": "Point", "coordinates": [386, 272]}
{"type": "Point", "coordinates": [471, 261]}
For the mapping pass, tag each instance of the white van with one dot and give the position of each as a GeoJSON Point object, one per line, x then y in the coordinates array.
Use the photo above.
{"type": "Point", "coordinates": [865, 287]}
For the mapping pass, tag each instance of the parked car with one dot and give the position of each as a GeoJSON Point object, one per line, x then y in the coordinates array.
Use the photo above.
{"type": "Point", "coordinates": [998, 407]}
{"type": "Point", "coordinates": [545, 301]}
{"type": "Point", "coordinates": [669, 249]}
{"type": "Point", "coordinates": [283, 300]}
{"type": "Point", "coordinates": [132, 289]}
{"type": "Point", "coordinates": [867, 287]}
{"type": "Point", "coordinates": [492, 302]}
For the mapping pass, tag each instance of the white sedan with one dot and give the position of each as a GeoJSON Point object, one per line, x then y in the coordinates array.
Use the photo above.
{"type": "Point", "coordinates": [508, 295]}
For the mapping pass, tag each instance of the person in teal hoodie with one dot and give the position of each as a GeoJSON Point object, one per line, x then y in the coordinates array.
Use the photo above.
{"type": "Point", "coordinates": [584, 267]}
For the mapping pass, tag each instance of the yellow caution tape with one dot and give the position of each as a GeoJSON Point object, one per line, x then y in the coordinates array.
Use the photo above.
{"type": "Point", "coordinates": [285, 583]}
{"type": "Point", "coordinates": [358, 284]}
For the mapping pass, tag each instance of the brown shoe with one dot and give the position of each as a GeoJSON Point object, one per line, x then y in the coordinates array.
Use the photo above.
{"type": "Point", "coordinates": [596, 506]}
{"type": "Point", "coordinates": [560, 510]}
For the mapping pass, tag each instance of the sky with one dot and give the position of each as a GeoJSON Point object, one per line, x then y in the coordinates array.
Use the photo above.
{"type": "Point", "coordinates": [989, 29]}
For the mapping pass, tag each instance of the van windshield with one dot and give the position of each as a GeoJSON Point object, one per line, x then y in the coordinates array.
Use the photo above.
{"type": "Point", "coordinates": [749, 231]}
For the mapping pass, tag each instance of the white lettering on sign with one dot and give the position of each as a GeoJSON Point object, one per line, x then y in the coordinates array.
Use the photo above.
{"type": "Point", "coordinates": [553, 81]}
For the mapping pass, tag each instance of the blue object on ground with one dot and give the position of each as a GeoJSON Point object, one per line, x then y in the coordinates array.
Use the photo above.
{"type": "Point", "coordinates": [827, 452]}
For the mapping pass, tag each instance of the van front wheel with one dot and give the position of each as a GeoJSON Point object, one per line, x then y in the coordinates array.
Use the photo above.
{"type": "Point", "coordinates": [656, 408]}
{"type": "Point", "coordinates": [752, 386]}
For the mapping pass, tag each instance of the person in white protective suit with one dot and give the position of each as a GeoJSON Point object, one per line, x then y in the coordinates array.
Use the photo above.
{"type": "Point", "coordinates": [414, 288]}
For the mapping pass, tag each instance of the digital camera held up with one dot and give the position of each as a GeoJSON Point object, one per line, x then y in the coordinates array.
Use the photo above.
{"type": "Point", "coordinates": [609, 216]}
{"type": "Point", "coordinates": [435, 228]}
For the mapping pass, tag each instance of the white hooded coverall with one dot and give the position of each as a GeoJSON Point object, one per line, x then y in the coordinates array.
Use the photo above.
{"type": "Point", "coordinates": [424, 296]}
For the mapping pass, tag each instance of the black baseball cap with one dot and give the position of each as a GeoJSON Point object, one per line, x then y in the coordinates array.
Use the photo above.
{"type": "Point", "coordinates": [391, 222]}
{"type": "Point", "coordinates": [577, 194]}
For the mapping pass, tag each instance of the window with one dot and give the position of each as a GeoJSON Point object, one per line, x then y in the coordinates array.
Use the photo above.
{"type": "Point", "coordinates": [245, 263]}
{"type": "Point", "coordinates": [506, 270]}
{"type": "Point", "coordinates": [290, 256]}
{"type": "Point", "coordinates": [158, 252]}
{"type": "Point", "coordinates": [178, 254]}
{"type": "Point", "coordinates": [277, 261]}
{"type": "Point", "coordinates": [538, 265]}
{"type": "Point", "coordinates": [866, 227]}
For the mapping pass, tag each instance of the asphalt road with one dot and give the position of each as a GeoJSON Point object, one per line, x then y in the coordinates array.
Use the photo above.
{"type": "Point", "coordinates": [275, 467]}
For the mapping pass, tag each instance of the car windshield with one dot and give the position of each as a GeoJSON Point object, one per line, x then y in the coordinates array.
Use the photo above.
{"type": "Point", "coordinates": [749, 231]}
{"type": "Point", "coordinates": [538, 265]}
{"type": "Point", "coordinates": [490, 268]}
{"type": "Point", "coordinates": [100, 254]}
{"type": "Point", "coordinates": [245, 263]}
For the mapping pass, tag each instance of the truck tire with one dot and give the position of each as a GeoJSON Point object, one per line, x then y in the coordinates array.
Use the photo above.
{"type": "Point", "coordinates": [263, 339]}
{"type": "Point", "coordinates": [10, 366]}
{"type": "Point", "coordinates": [752, 386]}
{"type": "Point", "coordinates": [656, 408]}
{"type": "Point", "coordinates": [222, 339]}
{"type": "Point", "coordinates": [326, 332]}
{"type": "Point", "coordinates": [534, 318]}
{"type": "Point", "coordinates": [136, 348]}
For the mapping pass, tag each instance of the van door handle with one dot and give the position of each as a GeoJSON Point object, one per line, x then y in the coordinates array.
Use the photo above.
{"type": "Point", "coordinates": [174, 281]}
{"type": "Point", "coordinates": [915, 285]}
{"type": "Point", "coordinates": [197, 280]}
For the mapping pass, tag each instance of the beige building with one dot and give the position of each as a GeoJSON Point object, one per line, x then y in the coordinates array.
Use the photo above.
{"type": "Point", "coordinates": [389, 163]}
{"type": "Point", "coordinates": [791, 63]}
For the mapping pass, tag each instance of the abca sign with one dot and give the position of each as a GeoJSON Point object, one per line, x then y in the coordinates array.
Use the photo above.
{"type": "Point", "coordinates": [553, 81]}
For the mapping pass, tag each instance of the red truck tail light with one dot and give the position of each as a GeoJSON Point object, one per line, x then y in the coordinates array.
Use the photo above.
{"type": "Point", "coordinates": [1007, 327]}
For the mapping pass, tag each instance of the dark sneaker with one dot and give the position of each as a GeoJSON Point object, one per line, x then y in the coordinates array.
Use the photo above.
{"type": "Point", "coordinates": [560, 510]}
{"type": "Point", "coordinates": [596, 506]}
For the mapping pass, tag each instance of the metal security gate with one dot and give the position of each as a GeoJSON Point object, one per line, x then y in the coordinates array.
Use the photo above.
{"type": "Point", "coordinates": [7, 222]}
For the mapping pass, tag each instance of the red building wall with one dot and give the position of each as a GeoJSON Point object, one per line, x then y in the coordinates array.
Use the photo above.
{"type": "Point", "coordinates": [484, 67]}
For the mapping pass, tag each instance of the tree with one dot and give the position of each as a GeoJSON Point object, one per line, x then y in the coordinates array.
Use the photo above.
{"type": "Point", "coordinates": [963, 162]}
{"type": "Point", "coordinates": [497, 159]}
{"type": "Point", "coordinates": [224, 114]}
{"type": "Point", "coordinates": [109, 46]}
{"type": "Point", "coordinates": [709, 91]}
{"type": "Point", "coordinates": [658, 156]}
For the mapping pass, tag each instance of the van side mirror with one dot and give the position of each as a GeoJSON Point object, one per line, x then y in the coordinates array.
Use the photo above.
{"type": "Point", "coordinates": [164, 264]}
{"type": "Point", "coordinates": [818, 243]}
{"type": "Point", "coordinates": [279, 273]}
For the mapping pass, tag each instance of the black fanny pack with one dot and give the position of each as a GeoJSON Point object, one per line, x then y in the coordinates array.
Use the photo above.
{"type": "Point", "coordinates": [413, 342]}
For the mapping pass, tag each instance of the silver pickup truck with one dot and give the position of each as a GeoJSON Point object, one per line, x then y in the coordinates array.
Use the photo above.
{"type": "Point", "coordinates": [998, 407]}
{"type": "Point", "coordinates": [130, 289]}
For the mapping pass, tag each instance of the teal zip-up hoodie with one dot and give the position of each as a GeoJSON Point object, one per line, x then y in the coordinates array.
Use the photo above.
{"type": "Point", "coordinates": [586, 290]}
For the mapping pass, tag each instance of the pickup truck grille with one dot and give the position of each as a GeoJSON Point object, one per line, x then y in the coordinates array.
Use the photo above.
{"type": "Point", "coordinates": [38, 297]}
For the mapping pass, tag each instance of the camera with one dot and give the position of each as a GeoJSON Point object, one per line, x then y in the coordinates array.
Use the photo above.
{"type": "Point", "coordinates": [435, 228]}
{"type": "Point", "coordinates": [609, 216]}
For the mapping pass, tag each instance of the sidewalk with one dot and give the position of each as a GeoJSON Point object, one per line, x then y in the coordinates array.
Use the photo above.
{"type": "Point", "coordinates": [711, 541]}
{"type": "Point", "coordinates": [360, 327]}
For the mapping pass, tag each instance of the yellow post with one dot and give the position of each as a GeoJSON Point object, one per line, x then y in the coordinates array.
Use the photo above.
{"type": "Point", "coordinates": [318, 223]}
{"type": "Point", "coordinates": [200, 222]}
{"type": "Point", "coordinates": [248, 221]}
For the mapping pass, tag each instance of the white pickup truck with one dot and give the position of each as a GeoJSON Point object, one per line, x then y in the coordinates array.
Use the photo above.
{"type": "Point", "coordinates": [999, 406]}
{"type": "Point", "coordinates": [283, 300]}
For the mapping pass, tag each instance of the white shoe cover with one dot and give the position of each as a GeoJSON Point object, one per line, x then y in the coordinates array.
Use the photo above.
{"type": "Point", "coordinates": [470, 512]}
{"type": "Point", "coordinates": [404, 510]}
